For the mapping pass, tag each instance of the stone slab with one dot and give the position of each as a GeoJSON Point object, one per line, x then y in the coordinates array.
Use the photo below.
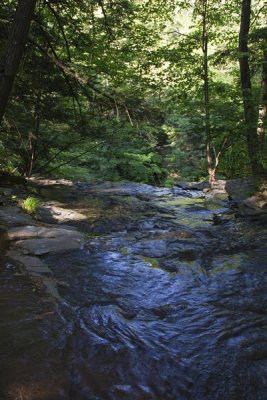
{"type": "Point", "coordinates": [31, 232]}
{"type": "Point", "coordinates": [49, 245]}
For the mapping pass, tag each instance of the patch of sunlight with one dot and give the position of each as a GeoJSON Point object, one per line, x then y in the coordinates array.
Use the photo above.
{"type": "Point", "coordinates": [44, 389]}
{"type": "Point", "coordinates": [92, 214]}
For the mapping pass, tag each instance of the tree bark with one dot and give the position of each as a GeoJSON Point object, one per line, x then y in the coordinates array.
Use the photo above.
{"type": "Point", "coordinates": [250, 112]}
{"type": "Point", "coordinates": [263, 103]}
{"type": "Point", "coordinates": [205, 42]}
{"type": "Point", "coordinates": [33, 140]}
{"type": "Point", "coordinates": [13, 51]}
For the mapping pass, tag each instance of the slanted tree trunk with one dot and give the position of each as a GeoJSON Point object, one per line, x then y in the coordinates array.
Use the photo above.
{"type": "Point", "coordinates": [250, 112]}
{"type": "Point", "coordinates": [13, 51]}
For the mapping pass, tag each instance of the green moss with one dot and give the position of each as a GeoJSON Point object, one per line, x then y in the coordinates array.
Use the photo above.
{"type": "Point", "coordinates": [90, 235]}
{"type": "Point", "coordinates": [185, 201]}
{"type": "Point", "coordinates": [124, 251]}
{"type": "Point", "coordinates": [151, 261]}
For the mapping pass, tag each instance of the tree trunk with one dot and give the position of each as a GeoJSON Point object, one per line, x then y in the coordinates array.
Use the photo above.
{"type": "Point", "coordinates": [32, 140]}
{"type": "Point", "coordinates": [250, 112]}
{"type": "Point", "coordinates": [209, 156]}
{"type": "Point", "coordinates": [13, 52]}
{"type": "Point", "coordinates": [263, 103]}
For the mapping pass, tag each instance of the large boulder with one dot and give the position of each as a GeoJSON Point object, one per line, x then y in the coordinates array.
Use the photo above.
{"type": "Point", "coordinates": [240, 189]}
{"type": "Point", "coordinates": [254, 205]}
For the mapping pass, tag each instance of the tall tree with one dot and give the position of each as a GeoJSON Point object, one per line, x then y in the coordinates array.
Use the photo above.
{"type": "Point", "coordinates": [204, 39]}
{"type": "Point", "coordinates": [263, 102]}
{"type": "Point", "coordinates": [250, 111]}
{"type": "Point", "coordinates": [13, 51]}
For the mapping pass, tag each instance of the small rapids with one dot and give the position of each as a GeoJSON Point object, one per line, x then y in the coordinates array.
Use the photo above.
{"type": "Point", "coordinates": [160, 304]}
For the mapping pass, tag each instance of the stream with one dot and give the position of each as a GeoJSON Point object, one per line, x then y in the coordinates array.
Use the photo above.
{"type": "Point", "coordinates": [160, 303]}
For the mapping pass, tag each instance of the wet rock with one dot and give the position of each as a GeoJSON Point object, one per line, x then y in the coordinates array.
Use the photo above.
{"type": "Point", "coordinates": [50, 245]}
{"type": "Point", "coordinates": [217, 193]}
{"type": "Point", "coordinates": [150, 248]}
{"type": "Point", "coordinates": [125, 391]}
{"type": "Point", "coordinates": [218, 185]}
{"type": "Point", "coordinates": [50, 285]}
{"type": "Point", "coordinates": [13, 216]}
{"type": "Point", "coordinates": [189, 254]}
{"type": "Point", "coordinates": [146, 225]}
{"type": "Point", "coordinates": [244, 211]}
{"type": "Point", "coordinates": [193, 185]}
{"type": "Point", "coordinates": [128, 314]}
{"type": "Point", "coordinates": [27, 261]}
{"type": "Point", "coordinates": [30, 232]}
{"type": "Point", "coordinates": [169, 266]}
{"type": "Point", "coordinates": [159, 192]}
{"type": "Point", "coordinates": [23, 232]}
{"type": "Point", "coordinates": [119, 322]}
{"type": "Point", "coordinates": [240, 189]}
{"type": "Point", "coordinates": [40, 251]}
{"type": "Point", "coordinates": [256, 202]}
{"type": "Point", "coordinates": [5, 191]}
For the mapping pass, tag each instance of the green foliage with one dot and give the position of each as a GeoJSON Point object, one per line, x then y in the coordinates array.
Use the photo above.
{"type": "Point", "coordinates": [113, 91]}
{"type": "Point", "coordinates": [30, 205]}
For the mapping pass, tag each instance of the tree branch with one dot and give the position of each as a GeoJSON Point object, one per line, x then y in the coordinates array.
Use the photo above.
{"type": "Point", "coordinates": [73, 158]}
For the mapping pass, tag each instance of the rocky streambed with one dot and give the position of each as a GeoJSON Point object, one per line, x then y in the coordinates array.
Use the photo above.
{"type": "Point", "coordinates": [127, 291]}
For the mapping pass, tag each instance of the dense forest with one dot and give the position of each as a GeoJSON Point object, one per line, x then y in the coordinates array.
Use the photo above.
{"type": "Point", "coordinates": [144, 90]}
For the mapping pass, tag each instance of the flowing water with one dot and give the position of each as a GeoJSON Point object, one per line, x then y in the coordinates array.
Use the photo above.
{"type": "Point", "coordinates": [160, 304]}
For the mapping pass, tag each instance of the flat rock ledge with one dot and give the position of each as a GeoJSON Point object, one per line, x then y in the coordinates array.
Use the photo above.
{"type": "Point", "coordinates": [29, 240]}
{"type": "Point", "coordinates": [53, 212]}
{"type": "Point", "coordinates": [39, 240]}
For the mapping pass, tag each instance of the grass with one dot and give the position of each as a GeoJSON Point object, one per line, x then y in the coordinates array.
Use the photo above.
{"type": "Point", "coordinates": [30, 205]}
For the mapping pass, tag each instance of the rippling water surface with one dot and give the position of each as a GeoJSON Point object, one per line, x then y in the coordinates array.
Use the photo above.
{"type": "Point", "coordinates": [144, 319]}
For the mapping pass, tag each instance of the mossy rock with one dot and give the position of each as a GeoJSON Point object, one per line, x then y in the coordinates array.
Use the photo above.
{"type": "Point", "coordinates": [151, 261]}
